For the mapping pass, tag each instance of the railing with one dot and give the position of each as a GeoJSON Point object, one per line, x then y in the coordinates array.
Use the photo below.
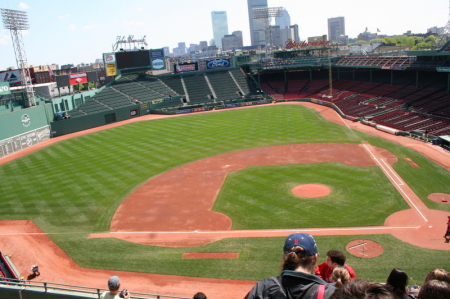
{"type": "Point", "coordinates": [69, 290]}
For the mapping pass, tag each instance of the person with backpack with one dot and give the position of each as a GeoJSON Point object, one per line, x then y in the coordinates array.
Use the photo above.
{"type": "Point", "coordinates": [297, 280]}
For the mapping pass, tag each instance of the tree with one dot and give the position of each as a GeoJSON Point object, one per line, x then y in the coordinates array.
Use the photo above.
{"type": "Point", "coordinates": [376, 40]}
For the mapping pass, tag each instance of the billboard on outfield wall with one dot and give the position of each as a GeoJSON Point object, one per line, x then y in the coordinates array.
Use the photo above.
{"type": "Point", "coordinates": [217, 64]}
{"type": "Point", "coordinates": [4, 88]}
{"type": "Point", "coordinates": [78, 78]}
{"type": "Point", "coordinates": [109, 60]}
{"type": "Point", "coordinates": [185, 67]}
{"type": "Point", "coordinates": [111, 69]}
{"type": "Point", "coordinates": [14, 78]}
{"type": "Point", "coordinates": [152, 59]}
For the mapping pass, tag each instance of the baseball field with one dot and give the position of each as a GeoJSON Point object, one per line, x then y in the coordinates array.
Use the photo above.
{"type": "Point", "coordinates": [74, 189]}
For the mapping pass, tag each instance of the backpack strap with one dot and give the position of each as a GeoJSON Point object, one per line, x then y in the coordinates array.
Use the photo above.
{"type": "Point", "coordinates": [321, 291]}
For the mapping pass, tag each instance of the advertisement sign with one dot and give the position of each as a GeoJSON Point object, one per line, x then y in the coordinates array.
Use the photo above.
{"type": "Point", "coordinates": [4, 88]}
{"type": "Point", "coordinates": [158, 64]}
{"type": "Point", "coordinates": [158, 53]}
{"type": "Point", "coordinates": [111, 69]}
{"type": "Point", "coordinates": [78, 78]}
{"type": "Point", "coordinates": [218, 63]}
{"type": "Point", "coordinates": [443, 69]}
{"type": "Point", "coordinates": [109, 58]}
{"type": "Point", "coordinates": [14, 78]}
{"type": "Point", "coordinates": [186, 67]}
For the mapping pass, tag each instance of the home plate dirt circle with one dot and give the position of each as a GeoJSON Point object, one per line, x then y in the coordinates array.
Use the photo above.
{"type": "Point", "coordinates": [364, 248]}
{"type": "Point", "coordinates": [311, 190]}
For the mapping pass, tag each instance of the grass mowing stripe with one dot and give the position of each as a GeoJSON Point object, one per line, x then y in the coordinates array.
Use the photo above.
{"type": "Point", "coordinates": [135, 152]}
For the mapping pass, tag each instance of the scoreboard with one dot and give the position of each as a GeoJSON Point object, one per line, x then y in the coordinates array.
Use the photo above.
{"type": "Point", "coordinates": [138, 60]}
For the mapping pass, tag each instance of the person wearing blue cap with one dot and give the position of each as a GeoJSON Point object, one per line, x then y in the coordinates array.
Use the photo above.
{"type": "Point", "coordinates": [114, 293]}
{"type": "Point", "coordinates": [297, 279]}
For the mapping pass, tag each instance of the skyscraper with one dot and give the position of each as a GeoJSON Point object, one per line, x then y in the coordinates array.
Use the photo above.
{"type": "Point", "coordinates": [257, 29]}
{"type": "Point", "coordinates": [336, 28]}
{"type": "Point", "coordinates": [220, 26]}
{"type": "Point", "coordinates": [284, 20]}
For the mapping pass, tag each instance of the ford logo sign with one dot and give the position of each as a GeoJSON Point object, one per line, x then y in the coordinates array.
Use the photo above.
{"type": "Point", "coordinates": [218, 63]}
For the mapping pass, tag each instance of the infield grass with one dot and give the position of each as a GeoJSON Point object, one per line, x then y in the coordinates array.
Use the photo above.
{"type": "Point", "coordinates": [72, 189]}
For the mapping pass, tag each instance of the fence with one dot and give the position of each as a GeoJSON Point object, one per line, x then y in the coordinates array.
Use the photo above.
{"type": "Point", "coordinates": [27, 289]}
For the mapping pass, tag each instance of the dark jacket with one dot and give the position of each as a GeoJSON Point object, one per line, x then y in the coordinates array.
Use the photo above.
{"type": "Point", "coordinates": [291, 284]}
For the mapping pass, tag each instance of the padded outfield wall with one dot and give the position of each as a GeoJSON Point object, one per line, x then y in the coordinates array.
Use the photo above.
{"type": "Point", "coordinates": [23, 128]}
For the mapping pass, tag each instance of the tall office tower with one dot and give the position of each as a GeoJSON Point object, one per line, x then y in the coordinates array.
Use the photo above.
{"type": "Point", "coordinates": [203, 45]}
{"type": "Point", "coordinates": [336, 28]}
{"type": "Point", "coordinates": [238, 33]}
{"type": "Point", "coordinates": [220, 26]}
{"type": "Point", "coordinates": [257, 28]}
{"type": "Point", "coordinates": [283, 21]}
{"type": "Point", "coordinates": [232, 41]}
{"type": "Point", "coordinates": [182, 48]}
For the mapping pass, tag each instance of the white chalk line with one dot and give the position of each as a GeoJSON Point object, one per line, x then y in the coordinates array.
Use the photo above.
{"type": "Point", "coordinates": [397, 184]}
{"type": "Point", "coordinates": [229, 231]}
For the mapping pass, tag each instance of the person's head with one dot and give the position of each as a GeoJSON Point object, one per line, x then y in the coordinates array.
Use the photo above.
{"type": "Point", "coordinates": [300, 253]}
{"type": "Point", "coordinates": [397, 280]}
{"type": "Point", "coordinates": [114, 283]}
{"type": "Point", "coordinates": [438, 274]}
{"type": "Point", "coordinates": [434, 289]}
{"type": "Point", "coordinates": [199, 295]}
{"type": "Point", "coordinates": [362, 289]}
{"type": "Point", "coordinates": [340, 276]}
{"type": "Point", "coordinates": [335, 258]}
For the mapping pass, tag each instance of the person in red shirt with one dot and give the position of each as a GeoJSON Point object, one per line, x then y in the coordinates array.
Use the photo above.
{"type": "Point", "coordinates": [447, 233]}
{"type": "Point", "coordinates": [335, 258]}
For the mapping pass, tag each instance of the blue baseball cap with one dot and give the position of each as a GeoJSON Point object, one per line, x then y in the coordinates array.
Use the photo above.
{"type": "Point", "coordinates": [306, 241]}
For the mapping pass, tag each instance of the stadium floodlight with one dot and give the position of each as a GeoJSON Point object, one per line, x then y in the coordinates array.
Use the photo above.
{"type": "Point", "coordinates": [266, 14]}
{"type": "Point", "coordinates": [16, 21]}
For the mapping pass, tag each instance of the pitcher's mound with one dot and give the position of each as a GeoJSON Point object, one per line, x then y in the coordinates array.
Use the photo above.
{"type": "Point", "coordinates": [440, 197]}
{"type": "Point", "coordinates": [364, 248]}
{"type": "Point", "coordinates": [311, 190]}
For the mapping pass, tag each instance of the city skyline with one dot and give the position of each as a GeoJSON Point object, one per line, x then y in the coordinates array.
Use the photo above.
{"type": "Point", "coordinates": [219, 26]}
{"type": "Point", "coordinates": [81, 32]}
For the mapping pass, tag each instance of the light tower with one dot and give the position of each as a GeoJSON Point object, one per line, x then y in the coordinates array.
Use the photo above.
{"type": "Point", "coordinates": [266, 14]}
{"type": "Point", "coordinates": [444, 36]}
{"type": "Point", "coordinates": [16, 21]}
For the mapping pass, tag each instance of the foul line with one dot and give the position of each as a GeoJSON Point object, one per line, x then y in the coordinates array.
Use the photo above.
{"type": "Point", "coordinates": [228, 231]}
{"type": "Point", "coordinates": [394, 182]}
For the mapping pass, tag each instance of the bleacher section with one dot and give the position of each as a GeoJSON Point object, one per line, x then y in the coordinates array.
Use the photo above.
{"type": "Point", "coordinates": [402, 107]}
{"type": "Point", "coordinates": [374, 61]}
{"type": "Point", "coordinates": [245, 85]}
{"type": "Point", "coordinates": [197, 89]}
{"type": "Point", "coordinates": [224, 86]}
{"type": "Point", "coordinates": [168, 91]}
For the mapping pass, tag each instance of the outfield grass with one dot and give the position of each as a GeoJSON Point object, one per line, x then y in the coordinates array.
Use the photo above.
{"type": "Point", "coordinates": [74, 187]}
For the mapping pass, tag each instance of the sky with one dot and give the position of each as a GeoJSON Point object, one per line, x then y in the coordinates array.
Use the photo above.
{"type": "Point", "coordinates": [74, 32]}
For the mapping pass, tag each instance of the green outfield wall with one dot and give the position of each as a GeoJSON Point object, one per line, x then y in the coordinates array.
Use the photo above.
{"type": "Point", "coordinates": [23, 128]}
{"type": "Point", "coordinates": [72, 125]}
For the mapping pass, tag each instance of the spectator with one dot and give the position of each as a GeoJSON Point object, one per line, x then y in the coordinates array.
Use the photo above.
{"type": "Point", "coordinates": [438, 274]}
{"type": "Point", "coordinates": [199, 295]}
{"type": "Point", "coordinates": [363, 289]}
{"type": "Point", "coordinates": [434, 289]}
{"type": "Point", "coordinates": [114, 293]}
{"type": "Point", "coordinates": [398, 281]}
{"type": "Point", "coordinates": [340, 276]}
{"type": "Point", "coordinates": [35, 270]}
{"type": "Point", "coordinates": [296, 281]}
{"type": "Point", "coordinates": [335, 258]}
